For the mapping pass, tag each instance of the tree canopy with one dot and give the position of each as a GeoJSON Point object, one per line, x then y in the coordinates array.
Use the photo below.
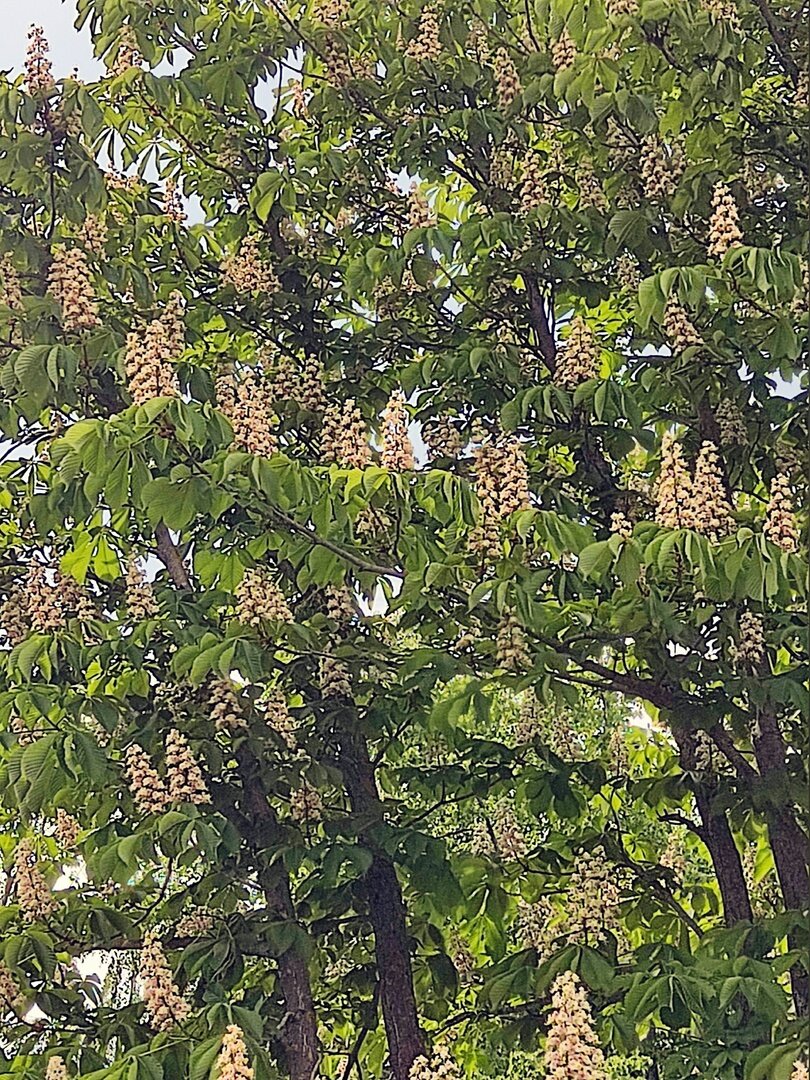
{"type": "Point", "coordinates": [403, 667]}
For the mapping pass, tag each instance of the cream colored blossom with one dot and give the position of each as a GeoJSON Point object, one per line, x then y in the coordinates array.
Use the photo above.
{"type": "Point", "coordinates": [247, 271]}
{"type": "Point", "coordinates": [334, 678]}
{"type": "Point", "coordinates": [306, 806]}
{"type": "Point", "coordinates": [196, 923]}
{"type": "Point", "coordinates": [39, 78]}
{"type": "Point", "coordinates": [439, 1066]}
{"type": "Point", "coordinates": [620, 525]}
{"type": "Point", "coordinates": [680, 332]}
{"type": "Point", "coordinates": [563, 51]}
{"type": "Point", "coordinates": [34, 896]}
{"type": "Point", "coordinates": [66, 830]}
{"type": "Point", "coordinates": [127, 55]}
{"type": "Point", "coordinates": [70, 283]}
{"type": "Point", "coordinates": [731, 423]}
{"type": "Point", "coordinates": [674, 492]}
{"type": "Point", "coordinates": [426, 44]}
{"type": "Point", "coordinates": [173, 203]}
{"type": "Point", "coordinates": [511, 651]}
{"type": "Point", "coordinates": [749, 649]}
{"type": "Point", "coordinates": [299, 380]}
{"type": "Point", "coordinates": [592, 906]}
{"type": "Point", "coordinates": [344, 438]}
{"type": "Point", "coordinates": [140, 596]}
{"type": "Point", "coordinates": [724, 230]}
{"type": "Point", "coordinates": [800, 1071]}
{"type": "Point", "coordinates": [10, 286]}
{"type": "Point", "coordinates": [397, 450]}
{"type": "Point", "coordinates": [661, 168]}
{"type": "Point", "coordinates": [226, 712]}
{"type": "Point", "coordinates": [710, 509]}
{"type": "Point", "coordinates": [507, 80]}
{"type": "Point", "coordinates": [780, 521]}
{"type": "Point", "coordinates": [628, 272]}
{"type": "Point", "coordinates": [259, 599]}
{"type": "Point", "coordinates": [502, 487]}
{"type": "Point", "coordinates": [43, 609]}
{"type": "Point", "coordinates": [617, 8]}
{"type": "Point", "coordinates": [278, 716]}
{"type": "Point", "coordinates": [233, 1062]}
{"type": "Point", "coordinates": [572, 1049]}
{"type": "Point", "coordinates": [420, 215]}
{"type": "Point", "coordinates": [533, 188]}
{"type": "Point", "coordinates": [146, 787]}
{"type": "Point", "coordinates": [11, 998]}
{"type": "Point", "coordinates": [510, 840]}
{"type": "Point", "coordinates": [165, 1006]}
{"type": "Point", "coordinates": [186, 781]}
{"type": "Point", "coordinates": [55, 1069]}
{"type": "Point", "coordinates": [535, 927]}
{"type": "Point", "coordinates": [441, 438]}
{"type": "Point", "coordinates": [93, 235]}
{"type": "Point", "coordinates": [251, 415]}
{"type": "Point", "coordinates": [149, 362]}
{"type": "Point", "coordinates": [578, 358]}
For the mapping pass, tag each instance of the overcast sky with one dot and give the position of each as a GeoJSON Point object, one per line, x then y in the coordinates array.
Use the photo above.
{"type": "Point", "coordinates": [69, 49]}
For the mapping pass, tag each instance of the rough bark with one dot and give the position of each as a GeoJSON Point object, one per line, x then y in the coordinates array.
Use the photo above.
{"type": "Point", "coordinates": [387, 911]}
{"type": "Point", "coordinates": [788, 841]}
{"type": "Point", "coordinates": [299, 1029]}
{"type": "Point", "coordinates": [716, 835]}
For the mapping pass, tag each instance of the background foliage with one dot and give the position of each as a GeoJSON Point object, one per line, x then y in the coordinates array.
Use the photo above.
{"type": "Point", "coordinates": [402, 791]}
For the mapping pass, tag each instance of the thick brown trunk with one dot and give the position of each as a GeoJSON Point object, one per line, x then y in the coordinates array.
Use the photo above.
{"type": "Point", "coordinates": [716, 835]}
{"type": "Point", "coordinates": [299, 1029]}
{"type": "Point", "coordinates": [388, 916]}
{"type": "Point", "coordinates": [788, 841]}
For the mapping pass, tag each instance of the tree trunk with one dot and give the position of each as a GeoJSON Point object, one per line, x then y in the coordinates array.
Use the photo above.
{"type": "Point", "coordinates": [299, 1030]}
{"type": "Point", "coordinates": [788, 841]}
{"type": "Point", "coordinates": [716, 835]}
{"type": "Point", "coordinates": [387, 910]}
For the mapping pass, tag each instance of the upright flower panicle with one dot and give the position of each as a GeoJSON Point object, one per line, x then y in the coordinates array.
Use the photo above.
{"type": "Point", "coordinates": [678, 327]}
{"type": "Point", "coordinates": [259, 599]}
{"type": "Point", "coordinates": [533, 188]}
{"type": "Point", "coordinates": [34, 896]}
{"type": "Point", "coordinates": [397, 450]}
{"type": "Point", "coordinates": [563, 51]}
{"type": "Point", "coordinates": [439, 1066]}
{"type": "Point", "coordinates": [226, 712]}
{"type": "Point", "coordinates": [148, 790]}
{"type": "Point", "coordinates": [233, 1062]}
{"type": "Point", "coordinates": [426, 44]}
{"type": "Point", "coordinates": [39, 78]}
{"type": "Point", "coordinates": [710, 511]}
{"type": "Point", "coordinates": [186, 781]}
{"type": "Point", "coordinates": [11, 295]}
{"type": "Point", "coordinates": [55, 1069]}
{"type": "Point", "coordinates": [11, 998]}
{"type": "Point", "coordinates": [578, 358]}
{"type": "Point", "coordinates": [149, 363]}
{"type": "Point", "coordinates": [502, 487]}
{"type": "Point", "coordinates": [724, 230]}
{"type": "Point", "coordinates": [674, 495]}
{"type": "Point", "coordinates": [572, 1049]}
{"type": "Point", "coordinates": [661, 168]}
{"type": "Point", "coordinates": [507, 80]}
{"type": "Point", "coordinates": [165, 1006]}
{"type": "Point", "coordinates": [67, 830]}
{"type": "Point", "coordinates": [70, 283]}
{"type": "Point", "coordinates": [247, 271]}
{"type": "Point", "coordinates": [140, 596]}
{"type": "Point", "coordinates": [344, 438]}
{"type": "Point", "coordinates": [441, 438]}
{"type": "Point", "coordinates": [780, 521]}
